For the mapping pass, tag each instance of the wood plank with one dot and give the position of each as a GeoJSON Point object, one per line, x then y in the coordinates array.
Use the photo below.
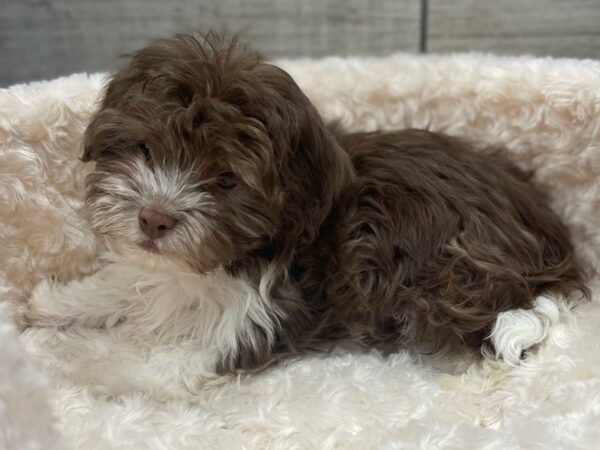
{"type": "Point", "coordinates": [47, 38]}
{"type": "Point", "coordinates": [567, 28]}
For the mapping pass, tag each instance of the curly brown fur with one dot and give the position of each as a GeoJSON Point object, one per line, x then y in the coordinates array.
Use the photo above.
{"type": "Point", "coordinates": [384, 239]}
{"type": "Point", "coordinates": [432, 241]}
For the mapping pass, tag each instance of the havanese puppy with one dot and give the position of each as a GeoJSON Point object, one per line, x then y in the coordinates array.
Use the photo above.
{"type": "Point", "coordinates": [237, 219]}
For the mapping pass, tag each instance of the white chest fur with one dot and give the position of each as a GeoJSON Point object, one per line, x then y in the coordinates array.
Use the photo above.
{"type": "Point", "coordinates": [147, 308]}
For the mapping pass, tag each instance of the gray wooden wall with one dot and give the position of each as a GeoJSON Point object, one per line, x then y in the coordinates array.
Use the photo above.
{"type": "Point", "coordinates": [46, 38]}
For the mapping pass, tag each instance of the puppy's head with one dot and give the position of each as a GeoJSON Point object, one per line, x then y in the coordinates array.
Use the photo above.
{"type": "Point", "coordinates": [205, 155]}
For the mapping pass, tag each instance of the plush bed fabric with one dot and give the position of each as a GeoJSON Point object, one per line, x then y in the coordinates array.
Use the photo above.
{"type": "Point", "coordinates": [108, 392]}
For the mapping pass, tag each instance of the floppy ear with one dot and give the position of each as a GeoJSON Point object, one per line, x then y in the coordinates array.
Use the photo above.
{"type": "Point", "coordinates": [90, 144]}
{"type": "Point", "coordinates": [88, 149]}
{"type": "Point", "coordinates": [87, 154]}
{"type": "Point", "coordinates": [109, 132]}
{"type": "Point", "coordinates": [315, 167]}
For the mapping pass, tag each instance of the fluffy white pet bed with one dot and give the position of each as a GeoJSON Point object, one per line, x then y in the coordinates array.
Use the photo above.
{"type": "Point", "coordinates": [114, 390]}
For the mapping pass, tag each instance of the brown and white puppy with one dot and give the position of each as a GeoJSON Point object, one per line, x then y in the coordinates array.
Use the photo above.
{"type": "Point", "coordinates": [213, 163]}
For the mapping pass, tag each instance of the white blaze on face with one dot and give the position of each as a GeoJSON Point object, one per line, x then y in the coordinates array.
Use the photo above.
{"type": "Point", "coordinates": [128, 186]}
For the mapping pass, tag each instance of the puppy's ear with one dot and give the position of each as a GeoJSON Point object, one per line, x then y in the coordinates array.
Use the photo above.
{"type": "Point", "coordinates": [87, 154]}
{"type": "Point", "coordinates": [108, 132]}
{"type": "Point", "coordinates": [88, 151]}
{"type": "Point", "coordinates": [315, 167]}
{"type": "Point", "coordinates": [90, 144]}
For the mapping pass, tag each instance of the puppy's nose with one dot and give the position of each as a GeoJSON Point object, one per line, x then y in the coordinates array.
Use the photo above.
{"type": "Point", "coordinates": [155, 224]}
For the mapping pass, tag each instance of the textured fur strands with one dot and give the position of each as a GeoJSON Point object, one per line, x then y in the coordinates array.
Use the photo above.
{"type": "Point", "coordinates": [383, 239]}
{"type": "Point", "coordinates": [111, 388]}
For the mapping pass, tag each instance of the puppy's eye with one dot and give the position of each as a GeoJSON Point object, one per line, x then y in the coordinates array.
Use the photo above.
{"type": "Point", "coordinates": [227, 180]}
{"type": "Point", "coordinates": [145, 149]}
